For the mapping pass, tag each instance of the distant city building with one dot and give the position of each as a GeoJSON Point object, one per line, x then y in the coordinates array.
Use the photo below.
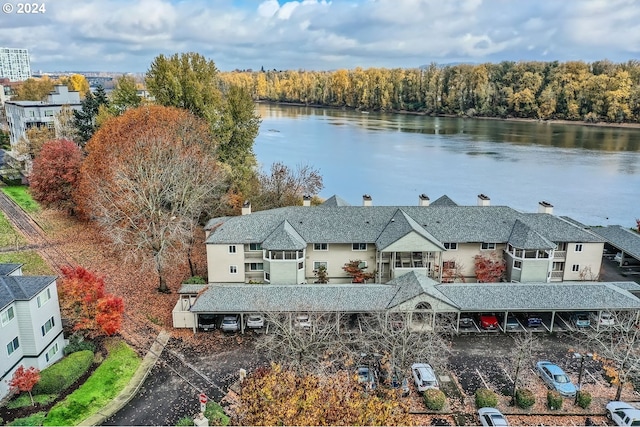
{"type": "Point", "coordinates": [14, 64]}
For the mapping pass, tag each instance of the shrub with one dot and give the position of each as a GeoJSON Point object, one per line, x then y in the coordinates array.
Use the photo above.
{"type": "Point", "coordinates": [525, 398]}
{"type": "Point", "coordinates": [215, 414]}
{"type": "Point", "coordinates": [78, 343]}
{"type": "Point", "coordinates": [185, 421]}
{"type": "Point", "coordinates": [554, 400]}
{"type": "Point", "coordinates": [584, 399]}
{"type": "Point", "coordinates": [195, 280]}
{"type": "Point", "coordinates": [434, 399]}
{"type": "Point", "coordinates": [64, 373]}
{"type": "Point", "coordinates": [486, 398]}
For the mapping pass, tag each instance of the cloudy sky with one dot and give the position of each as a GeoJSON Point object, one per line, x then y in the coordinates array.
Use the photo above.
{"type": "Point", "coordinates": [125, 35]}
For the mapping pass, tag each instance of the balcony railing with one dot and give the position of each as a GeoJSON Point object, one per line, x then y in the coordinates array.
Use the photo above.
{"type": "Point", "coordinates": [557, 274]}
{"type": "Point", "coordinates": [559, 254]}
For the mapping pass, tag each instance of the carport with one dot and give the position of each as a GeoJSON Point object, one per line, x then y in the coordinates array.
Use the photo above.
{"type": "Point", "coordinates": [624, 240]}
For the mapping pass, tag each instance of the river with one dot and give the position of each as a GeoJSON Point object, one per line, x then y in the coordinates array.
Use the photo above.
{"type": "Point", "coordinates": [591, 174]}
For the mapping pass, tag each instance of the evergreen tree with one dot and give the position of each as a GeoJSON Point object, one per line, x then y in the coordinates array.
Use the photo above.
{"type": "Point", "coordinates": [85, 119]}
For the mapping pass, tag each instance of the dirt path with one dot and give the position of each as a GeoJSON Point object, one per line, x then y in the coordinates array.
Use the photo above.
{"type": "Point", "coordinates": [34, 234]}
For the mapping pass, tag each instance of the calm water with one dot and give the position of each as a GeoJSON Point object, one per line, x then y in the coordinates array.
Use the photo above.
{"type": "Point", "coordinates": [591, 174]}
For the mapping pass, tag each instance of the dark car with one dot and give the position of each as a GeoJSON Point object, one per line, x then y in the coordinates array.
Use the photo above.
{"type": "Point", "coordinates": [466, 322]}
{"type": "Point", "coordinates": [207, 322]}
{"type": "Point", "coordinates": [531, 320]}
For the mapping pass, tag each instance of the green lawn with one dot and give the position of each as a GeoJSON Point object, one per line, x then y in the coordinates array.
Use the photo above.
{"type": "Point", "coordinates": [8, 235]}
{"type": "Point", "coordinates": [34, 265]}
{"type": "Point", "coordinates": [106, 382]}
{"type": "Point", "coordinates": [20, 195]}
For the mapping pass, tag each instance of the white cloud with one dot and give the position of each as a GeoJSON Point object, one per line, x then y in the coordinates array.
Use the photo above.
{"type": "Point", "coordinates": [319, 34]}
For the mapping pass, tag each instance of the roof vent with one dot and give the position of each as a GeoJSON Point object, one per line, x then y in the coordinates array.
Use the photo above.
{"type": "Point", "coordinates": [423, 200]}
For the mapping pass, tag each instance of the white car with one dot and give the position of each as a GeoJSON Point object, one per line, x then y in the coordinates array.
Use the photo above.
{"type": "Point", "coordinates": [623, 414]}
{"type": "Point", "coordinates": [303, 322]}
{"type": "Point", "coordinates": [424, 376]}
{"type": "Point", "coordinates": [606, 319]}
{"type": "Point", "coordinates": [491, 417]}
{"type": "Point", "coordinates": [255, 321]}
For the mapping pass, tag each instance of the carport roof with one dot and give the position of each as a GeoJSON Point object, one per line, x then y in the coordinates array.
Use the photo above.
{"type": "Point", "coordinates": [541, 296]}
{"type": "Point", "coordinates": [621, 238]}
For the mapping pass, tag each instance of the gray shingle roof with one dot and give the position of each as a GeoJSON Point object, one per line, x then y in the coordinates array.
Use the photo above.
{"type": "Point", "coordinates": [284, 237]}
{"type": "Point", "coordinates": [443, 201]}
{"type": "Point", "coordinates": [523, 237]}
{"type": "Point", "coordinates": [564, 296]}
{"type": "Point", "coordinates": [21, 288]}
{"type": "Point", "coordinates": [399, 226]}
{"type": "Point", "coordinates": [348, 224]}
{"type": "Point", "coordinates": [8, 268]}
{"type": "Point", "coordinates": [413, 284]}
{"type": "Point", "coordinates": [190, 288]}
{"type": "Point", "coordinates": [334, 201]}
{"type": "Point", "coordinates": [621, 238]}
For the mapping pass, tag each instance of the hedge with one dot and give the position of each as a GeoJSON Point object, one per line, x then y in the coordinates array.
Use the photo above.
{"type": "Point", "coordinates": [554, 400]}
{"type": "Point", "coordinates": [434, 399]}
{"type": "Point", "coordinates": [525, 398]}
{"type": "Point", "coordinates": [486, 398]}
{"type": "Point", "coordinates": [61, 375]}
{"type": "Point", "coordinates": [584, 399]}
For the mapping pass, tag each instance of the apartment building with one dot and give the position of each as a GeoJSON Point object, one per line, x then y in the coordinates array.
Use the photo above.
{"type": "Point", "coordinates": [30, 323]}
{"type": "Point", "coordinates": [439, 240]}
{"type": "Point", "coordinates": [15, 64]}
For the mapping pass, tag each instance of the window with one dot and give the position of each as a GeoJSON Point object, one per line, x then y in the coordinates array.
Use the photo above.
{"type": "Point", "coordinates": [362, 265]}
{"type": "Point", "coordinates": [44, 297]}
{"type": "Point", "coordinates": [232, 249]}
{"type": "Point", "coordinates": [517, 264]}
{"type": "Point", "coordinates": [575, 267]}
{"type": "Point", "coordinates": [317, 264]}
{"type": "Point", "coordinates": [453, 246]}
{"type": "Point", "coordinates": [48, 113]}
{"type": "Point", "coordinates": [558, 266]}
{"type": "Point", "coordinates": [267, 276]}
{"type": "Point", "coordinates": [7, 315]}
{"type": "Point", "coordinates": [233, 269]}
{"type": "Point", "coordinates": [47, 326]}
{"type": "Point", "coordinates": [448, 265]}
{"type": "Point", "coordinates": [487, 246]}
{"type": "Point", "coordinates": [300, 265]}
{"type": "Point", "coordinates": [52, 352]}
{"type": "Point", "coordinates": [320, 246]}
{"type": "Point", "coordinates": [579, 247]}
{"type": "Point", "coordinates": [256, 266]}
{"type": "Point", "coordinates": [359, 247]}
{"type": "Point", "coordinates": [255, 246]}
{"type": "Point", "coordinates": [13, 345]}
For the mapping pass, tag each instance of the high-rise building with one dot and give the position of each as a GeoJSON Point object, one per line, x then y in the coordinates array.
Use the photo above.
{"type": "Point", "coordinates": [14, 64]}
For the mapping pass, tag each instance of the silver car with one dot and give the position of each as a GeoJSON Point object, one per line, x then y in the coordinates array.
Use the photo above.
{"type": "Point", "coordinates": [424, 376]}
{"type": "Point", "coordinates": [230, 323]}
{"type": "Point", "coordinates": [255, 321]}
{"type": "Point", "coordinates": [491, 417]}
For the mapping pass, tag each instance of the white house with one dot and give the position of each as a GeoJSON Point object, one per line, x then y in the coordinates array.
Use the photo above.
{"type": "Point", "coordinates": [30, 323]}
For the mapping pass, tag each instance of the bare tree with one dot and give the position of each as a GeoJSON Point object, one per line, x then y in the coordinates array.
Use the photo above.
{"type": "Point", "coordinates": [618, 344]}
{"type": "Point", "coordinates": [64, 124]}
{"type": "Point", "coordinates": [524, 346]}
{"type": "Point", "coordinates": [285, 186]}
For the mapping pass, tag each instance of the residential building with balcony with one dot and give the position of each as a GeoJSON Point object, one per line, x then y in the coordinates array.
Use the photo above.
{"type": "Point", "coordinates": [30, 323]}
{"type": "Point", "coordinates": [15, 64]}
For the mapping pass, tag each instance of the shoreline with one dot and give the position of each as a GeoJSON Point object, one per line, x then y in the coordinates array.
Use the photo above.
{"type": "Point", "coordinates": [632, 126]}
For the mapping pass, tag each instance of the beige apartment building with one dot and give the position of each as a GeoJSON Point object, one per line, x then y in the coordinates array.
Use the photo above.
{"type": "Point", "coordinates": [439, 240]}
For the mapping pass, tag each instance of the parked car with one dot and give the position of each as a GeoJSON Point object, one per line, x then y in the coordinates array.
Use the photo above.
{"type": "Point", "coordinates": [531, 320]}
{"type": "Point", "coordinates": [581, 320]}
{"type": "Point", "coordinates": [466, 322]}
{"type": "Point", "coordinates": [606, 319]}
{"type": "Point", "coordinates": [623, 414]}
{"type": "Point", "coordinates": [366, 377]}
{"type": "Point", "coordinates": [555, 378]}
{"type": "Point", "coordinates": [302, 321]}
{"type": "Point", "coordinates": [488, 321]}
{"type": "Point", "coordinates": [626, 260]}
{"type": "Point", "coordinates": [512, 322]}
{"type": "Point", "coordinates": [255, 321]}
{"type": "Point", "coordinates": [230, 323]}
{"type": "Point", "coordinates": [424, 376]}
{"type": "Point", "coordinates": [491, 417]}
{"type": "Point", "coordinates": [207, 322]}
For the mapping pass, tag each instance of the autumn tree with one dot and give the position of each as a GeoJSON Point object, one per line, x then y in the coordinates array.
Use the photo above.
{"type": "Point", "coordinates": [54, 177]}
{"type": "Point", "coordinates": [37, 136]}
{"type": "Point", "coordinates": [149, 177]}
{"type": "Point", "coordinates": [85, 118]}
{"type": "Point", "coordinates": [64, 124]}
{"type": "Point", "coordinates": [522, 351]}
{"type": "Point", "coordinates": [24, 380]}
{"type": "Point", "coordinates": [33, 89]}
{"type": "Point", "coordinates": [489, 268]}
{"type": "Point", "coordinates": [276, 396]}
{"type": "Point", "coordinates": [76, 82]}
{"type": "Point", "coordinates": [84, 301]}
{"type": "Point", "coordinates": [355, 270]}
{"type": "Point", "coordinates": [124, 95]}
{"type": "Point", "coordinates": [285, 186]}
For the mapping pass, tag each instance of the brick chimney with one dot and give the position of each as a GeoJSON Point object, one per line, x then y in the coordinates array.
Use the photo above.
{"type": "Point", "coordinates": [483, 200]}
{"type": "Point", "coordinates": [306, 200]}
{"type": "Point", "coordinates": [423, 200]}
{"type": "Point", "coordinates": [367, 200]}
{"type": "Point", "coordinates": [545, 207]}
{"type": "Point", "coordinates": [246, 208]}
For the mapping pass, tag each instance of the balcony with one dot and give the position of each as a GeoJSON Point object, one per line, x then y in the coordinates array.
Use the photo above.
{"type": "Point", "coordinates": [285, 255]}
{"type": "Point", "coordinates": [556, 276]}
{"type": "Point", "coordinates": [559, 254]}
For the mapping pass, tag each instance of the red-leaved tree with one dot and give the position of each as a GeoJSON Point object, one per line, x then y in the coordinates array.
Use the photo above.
{"type": "Point", "coordinates": [85, 302]}
{"type": "Point", "coordinates": [54, 177]}
{"type": "Point", "coordinates": [355, 269]}
{"type": "Point", "coordinates": [24, 380]}
{"type": "Point", "coordinates": [489, 268]}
